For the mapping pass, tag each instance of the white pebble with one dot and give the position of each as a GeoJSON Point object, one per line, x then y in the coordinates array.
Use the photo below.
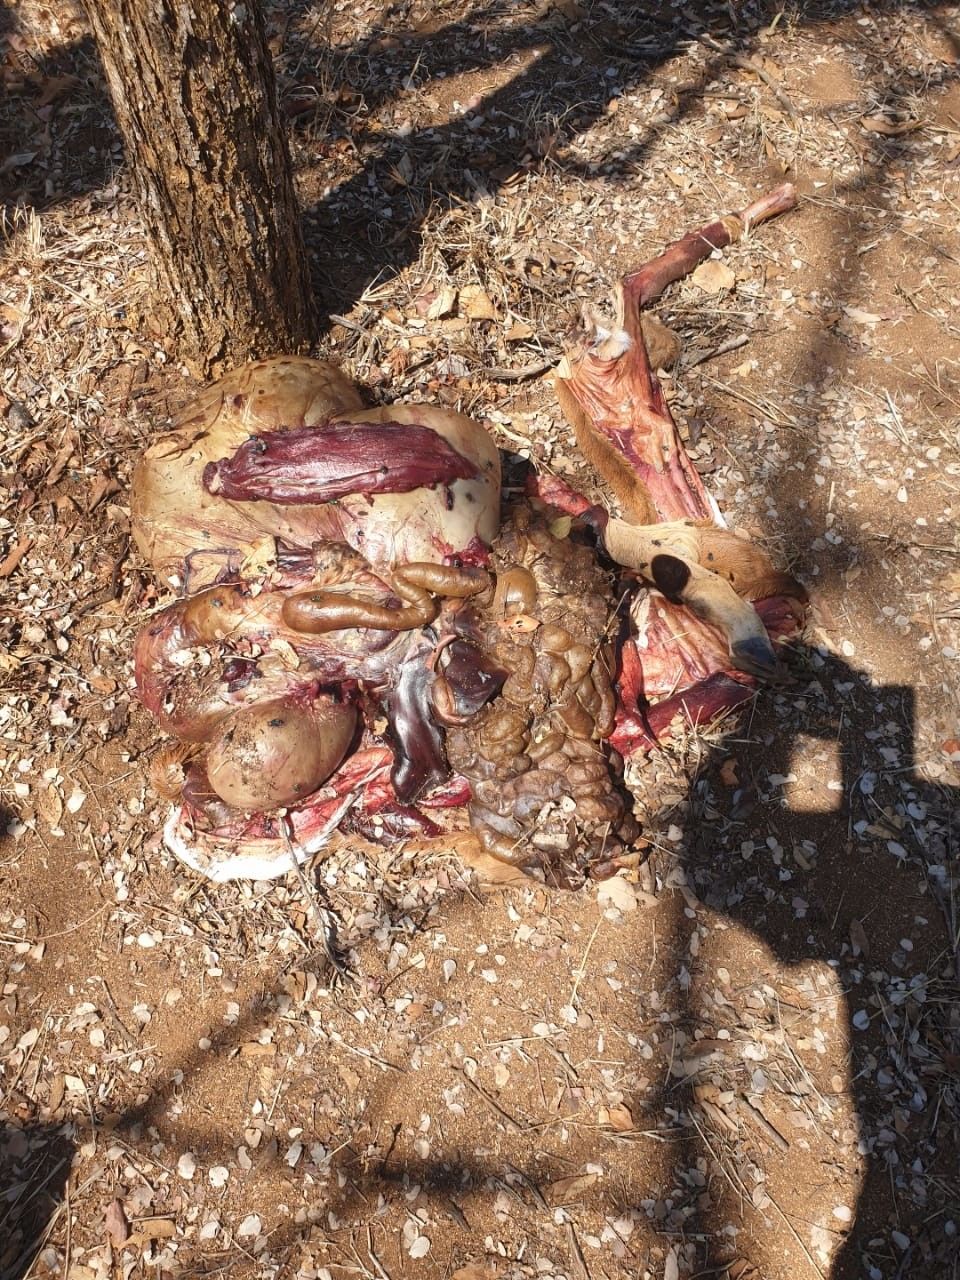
{"type": "Point", "coordinates": [218, 1175]}
{"type": "Point", "coordinates": [187, 1165]}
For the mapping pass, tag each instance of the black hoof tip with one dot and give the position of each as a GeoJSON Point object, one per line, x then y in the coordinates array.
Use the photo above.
{"type": "Point", "coordinates": [755, 656]}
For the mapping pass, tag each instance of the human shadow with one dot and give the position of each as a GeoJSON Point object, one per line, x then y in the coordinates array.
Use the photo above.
{"type": "Point", "coordinates": [848, 865]}
{"type": "Point", "coordinates": [35, 1163]}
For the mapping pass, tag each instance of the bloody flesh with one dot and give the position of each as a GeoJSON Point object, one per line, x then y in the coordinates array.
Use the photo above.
{"type": "Point", "coordinates": [314, 464]}
{"type": "Point", "coordinates": [513, 688]}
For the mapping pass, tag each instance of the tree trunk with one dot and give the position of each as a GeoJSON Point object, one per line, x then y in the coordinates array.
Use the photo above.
{"type": "Point", "coordinates": [195, 99]}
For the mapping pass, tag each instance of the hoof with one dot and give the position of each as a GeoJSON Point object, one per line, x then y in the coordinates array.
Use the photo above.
{"type": "Point", "coordinates": [755, 656]}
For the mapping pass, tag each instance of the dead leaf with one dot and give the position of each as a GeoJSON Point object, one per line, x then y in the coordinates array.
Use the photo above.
{"type": "Point", "coordinates": [18, 161]}
{"type": "Point", "coordinates": [518, 332]}
{"type": "Point", "coordinates": [118, 1229]}
{"type": "Point", "coordinates": [618, 1117]}
{"type": "Point", "coordinates": [61, 461]}
{"type": "Point", "coordinates": [104, 487]}
{"type": "Point", "coordinates": [775, 158]}
{"type": "Point", "coordinates": [474, 1271]}
{"type": "Point", "coordinates": [55, 87]}
{"type": "Point", "coordinates": [565, 1190]}
{"type": "Point", "coordinates": [568, 9]}
{"type": "Point", "coordinates": [13, 315]}
{"type": "Point", "coordinates": [858, 936]}
{"type": "Point", "coordinates": [402, 171]}
{"type": "Point", "coordinates": [889, 128]}
{"type": "Point", "coordinates": [772, 68]}
{"type": "Point", "coordinates": [561, 255]}
{"type": "Point", "coordinates": [150, 1229]}
{"type": "Point", "coordinates": [57, 1089]}
{"type": "Point", "coordinates": [14, 556]}
{"type": "Point", "coordinates": [951, 582]}
{"type": "Point", "coordinates": [859, 316]}
{"type": "Point", "coordinates": [618, 892]}
{"type": "Point", "coordinates": [671, 1267]}
{"type": "Point", "coordinates": [477, 303]}
{"type": "Point", "coordinates": [728, 773]}
{"type": "Point", "coordinates": [440, 303]}
{"type": "Point", "coordinates": [488, 869]}
{"type": "Point", "coordinates": [8, 662]}
{"type": "Point", "coordinates": [713, 277]}
{"type": "Point", "coordinates": [256, 1049]}
{"type": "Point", "coordinates": [734, 110]}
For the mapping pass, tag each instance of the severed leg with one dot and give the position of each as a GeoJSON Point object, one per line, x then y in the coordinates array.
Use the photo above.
{"type": "Point", "coordinates": [623, 425]}
{"type": "Point", "coordinates": [614, 402]}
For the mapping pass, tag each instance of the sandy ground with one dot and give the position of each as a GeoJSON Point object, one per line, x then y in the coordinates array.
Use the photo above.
{"type": "Point", "coordinates": [741, 1063]}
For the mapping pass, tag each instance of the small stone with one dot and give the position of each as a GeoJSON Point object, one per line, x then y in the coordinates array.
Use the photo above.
{"type": "Point", "coordinates": [187, 1165]}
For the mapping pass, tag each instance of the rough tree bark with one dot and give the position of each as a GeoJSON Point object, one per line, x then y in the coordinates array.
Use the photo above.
{"type": "Point", "coordinates": [195, 99]}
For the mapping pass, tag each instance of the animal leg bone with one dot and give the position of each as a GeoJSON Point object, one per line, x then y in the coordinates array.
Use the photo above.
{"type": "Point", "coordinates": [614, 402]}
